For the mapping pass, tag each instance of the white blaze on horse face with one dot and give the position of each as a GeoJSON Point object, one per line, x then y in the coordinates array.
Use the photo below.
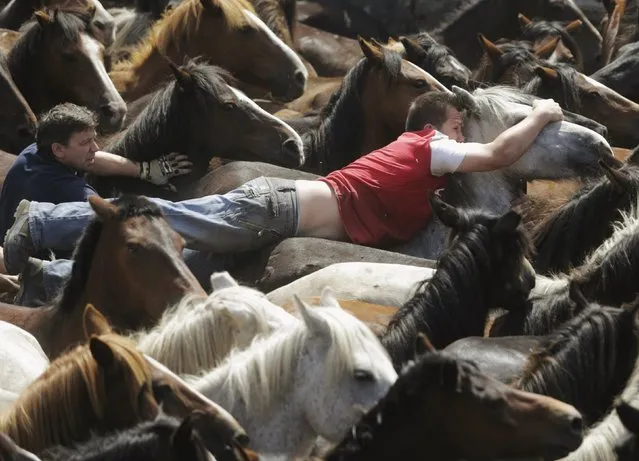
{"type": "Point", "coordinates": [261, 113]}
{"type": "Point", "coordinates": [257, 22]}
{"type": "Point", "coordinates": [93, 49]}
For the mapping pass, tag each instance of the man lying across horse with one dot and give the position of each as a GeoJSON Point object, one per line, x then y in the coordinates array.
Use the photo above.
{"type": "Point", "coordinates": [379, 199]}
{"type": "Point", "coordinates": [52, 169]}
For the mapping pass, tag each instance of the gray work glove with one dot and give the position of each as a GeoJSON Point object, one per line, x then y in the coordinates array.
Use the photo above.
{"type": "Point", "coordinates": [162, 169]}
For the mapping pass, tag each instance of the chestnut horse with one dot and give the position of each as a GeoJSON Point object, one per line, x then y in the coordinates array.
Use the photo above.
{"type": "Point", "coordinates": [56, 60]}
{"type": "Point", "coordinates": [17, 120]}
{"type": "Point", "coordinates": [129, 246]}
{"type": "Point", "coordinates": [251, 51]}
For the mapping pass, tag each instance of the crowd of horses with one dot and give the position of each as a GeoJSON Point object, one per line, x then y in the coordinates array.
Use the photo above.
{"type": "Point", "coordinates": [506, 329]}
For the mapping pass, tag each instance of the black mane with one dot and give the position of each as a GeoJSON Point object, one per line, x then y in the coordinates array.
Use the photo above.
{"type": "Point", "coordinates": [587, 362]}
{"type": "Point", "coordinates": [336, 142]}
{"type": "Point", "coordinates": [540, 29]}
{"type": "Point", "coordinates": [568, 92]}
{"type": "Point", "coordinates": [129, 207]}
{"type": "Point", "coordinates": [455, 302]}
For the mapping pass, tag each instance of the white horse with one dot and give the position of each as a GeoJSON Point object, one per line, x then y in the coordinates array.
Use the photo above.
{"type": "Point", "coordinates": [308, 380]}
{"type": "Point", "coordinates": [376, 283]}
{"type": "Point", "coordinates": [197, 334]}
{"type": "Point", "coordinates": [22, 360]}
{"type": "Point", "coordinates": [562, 150]}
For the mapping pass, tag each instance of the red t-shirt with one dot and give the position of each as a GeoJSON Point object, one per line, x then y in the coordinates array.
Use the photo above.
{"type": "Point", "coordinates": [383, 197]}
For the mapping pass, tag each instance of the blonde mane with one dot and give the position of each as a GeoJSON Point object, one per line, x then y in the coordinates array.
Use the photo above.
{"type": "Point", "coordinates": [70, 400]}
{"type": "Point", "coordinates": [181, 24]}
{"type": "Point", "coordinates": [262, 374]}
{"type": "Point", "coordinates": [198, 334]}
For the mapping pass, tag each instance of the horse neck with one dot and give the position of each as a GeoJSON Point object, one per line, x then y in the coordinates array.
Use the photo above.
{"type": "Point", "coordinates": [29, 81]}
{"type": "Point", "coordinates": [16, 13]}
{"type": "Point", "coordinates": [136, 79]}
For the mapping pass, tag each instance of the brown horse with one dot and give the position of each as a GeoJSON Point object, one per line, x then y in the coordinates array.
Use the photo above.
{"type": "Point", "coordinates": [18, 12]}
{"type": "Point", "coordinates": [93, 389]}
{"type": "Point", "coordinates": [251, 51]}
{"type": "Point", "coordinates": [17, 120]}
{"type": "Point", "coordinates": [446, 409]}
{"type": "Point", "coordinates": [57, 60]}
{"type": "Point", "coordinates": [129, 246]}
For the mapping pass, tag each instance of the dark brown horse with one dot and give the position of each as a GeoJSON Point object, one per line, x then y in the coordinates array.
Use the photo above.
{"type": "Point", "coordinates": [250, 51]}
{"type": "Point", "coordinates": [17, 120]}
{"type": "Point", "coordinates": [485, 267]}
{"type": "Point", "coordinates": [447, 408]}
{"type": "Point", "coordinates": [57, 60]}
{"type": "Point", "coordinates": [620, 74]}
{"type": "Point", "coordinates": [129, 246]}
{"type": "Point", "coordinates": [200, 115]}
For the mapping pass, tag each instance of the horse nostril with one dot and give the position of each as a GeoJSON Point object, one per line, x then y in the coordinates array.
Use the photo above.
{"type": "Point", "coordinates": [291, 146]}
{"type": "Point", "coordinates": [113, 110]}
{"type": "Point", "coordinates": [300, 78]}
{"type": "Point", "coordinates": [576, 424]}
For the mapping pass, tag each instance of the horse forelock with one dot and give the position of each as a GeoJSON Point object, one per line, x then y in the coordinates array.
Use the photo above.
{"type": "Point", "coordinates": [538, 30]}
{"type": "Point", "coordinates": [53, 410]}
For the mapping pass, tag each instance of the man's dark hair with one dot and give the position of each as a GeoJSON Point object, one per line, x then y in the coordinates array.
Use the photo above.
{"type": "Point", "coordinates": [60, 122]}
{"type": "Point", "coordinates": [430, 108]}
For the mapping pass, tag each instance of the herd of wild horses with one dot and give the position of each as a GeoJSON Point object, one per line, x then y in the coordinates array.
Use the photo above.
{"type": "Point", "coordinates": [506, 329]}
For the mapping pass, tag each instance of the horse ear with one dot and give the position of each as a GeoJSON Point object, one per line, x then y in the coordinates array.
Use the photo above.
{"type": "Point", "coordinates": [446, 213]}
{"type": "Point", "coordinates": [221, 280]}
{"type": "Point", "coordinates": [523, 20]}
{"type": "Point", "coordinates": [629, 416]}
{"type": "Point", "coordinates": [489, 47]}
{"type": "Point", "coordinates": [423, 345]}
{"type": "Point", "coordinates": [43, 18]}
{"type": "Point", "coordinates": [546, 73]}
{"type": "Point", "coordinates": [573, 26]}
{"type": "Point", "coordinates": [413, 50]}
{"type": "Point", "coordinates": [373, 52]}
{"type": "Point", "coordinates": [619, 179]}
{"type": "Point", "coordinates": [105, 210]}
{"type": "Point", "coordinates": [508, 222]}
{"type": "Point", "coordinates": [314, 321]}
{"type": "Point", "coordinates": [546, 49]}
{"type": "Point", "coordinates": [466, 100]}
{"type": "Point", "coordinates": [102, 353]}
{"type": "Point", "coordinates": [95, 323]}
{"type": "Point", "coordinates": [182, 76]}
{"type": "Point", "coordinates": [91, 11]}
{"type": "Point", "coordinates": [328, 298]}
{"type": "Point", "coordinates": [611, 31]}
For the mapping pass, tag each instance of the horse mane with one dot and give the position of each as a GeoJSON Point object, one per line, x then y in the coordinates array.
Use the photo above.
{"type": "Point", "coordinates": [494, 101]}
{"type": "Point", "coordinates": [540, 29]}
{"type": "Point", "coordinates": [198, 334]}
{"type": "Point", "coordinates": [434, 51]}
{"type": "Point", "coordinates": [562, 238]}
{"type": "Point", "coordinates": [393, 412]}
{"type": "Point", "coordinates": [336, 142]}
{"type": "Point", "coordinates": [270, 11]}
{"type": "Point", "coordinates": [609, 273]}
{"type": "Point", "coordinates": [261, 374]}
{"type": "Point", "coordinates": [165, 122]}
{"type": "Point", "coordinates": [456, 300]}
{"type": "Point", "coordinates": [569, 91]}
{"type": "Point", "coordinates": [70, 397]}
{"type": "Point", "coordinates": [180, 24]}
{"type": "Point", "coordinates": [129, 207]}
{"type": "Point", "coordinates": [586, 362]}
{"type": "Point", "coordinates": [68, 22]}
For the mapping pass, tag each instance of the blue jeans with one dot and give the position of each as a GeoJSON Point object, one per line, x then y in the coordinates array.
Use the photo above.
{"type": "Point", "coordinates": [261, 212]}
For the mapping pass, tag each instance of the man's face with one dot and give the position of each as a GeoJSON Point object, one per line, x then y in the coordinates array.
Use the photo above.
{"type": "Point", "coordinates": [79, 153]}
{"type": "Point", "coordinates": [453, 125]}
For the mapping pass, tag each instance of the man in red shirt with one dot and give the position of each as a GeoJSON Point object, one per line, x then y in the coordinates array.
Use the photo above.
{"type": "Point", "coordinates": [381, 198]}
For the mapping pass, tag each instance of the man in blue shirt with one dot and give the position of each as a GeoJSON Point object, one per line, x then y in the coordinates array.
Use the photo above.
{"type": "Point", "coordinates": [52, 169]}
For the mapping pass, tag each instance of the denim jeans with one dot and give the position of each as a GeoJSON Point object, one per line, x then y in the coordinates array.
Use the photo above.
{"type": "Point", "coordinates": [261, 212]}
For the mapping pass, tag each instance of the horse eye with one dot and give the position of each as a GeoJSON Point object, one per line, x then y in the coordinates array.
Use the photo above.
{"type": "Point", "coordinates": [420, 83]}
{"type": "Point", "coordinates": [133, 248]}
{"type": "Point", "coordinates": [229, 105]}
{"type": "Point", "coordinates": [364, 375]}
{"type": "Point", "coordinates": [99, 24]}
